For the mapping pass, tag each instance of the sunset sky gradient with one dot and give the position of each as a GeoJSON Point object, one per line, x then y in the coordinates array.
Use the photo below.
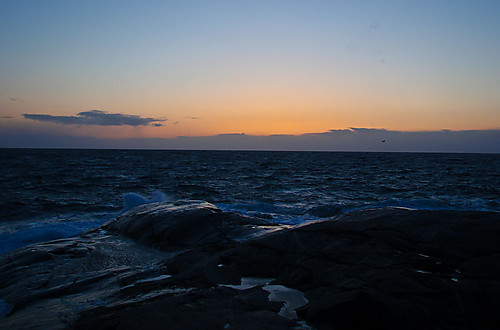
{"type": "Point", "coordinates": [202, 68]}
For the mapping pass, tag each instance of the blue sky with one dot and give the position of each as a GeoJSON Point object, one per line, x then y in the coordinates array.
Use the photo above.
{"type": "Point", "coordinates": [253, 67]}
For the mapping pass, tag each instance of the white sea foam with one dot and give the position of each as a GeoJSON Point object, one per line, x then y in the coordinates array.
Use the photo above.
{"type": "Point", "coordinates": [272, 213]}
{"type": "Point", "coordinates": [24, 234]}
{"type": "Point", "coordinates": [131, 200]}
{"type": "Point", "coordinates": [65, 225]}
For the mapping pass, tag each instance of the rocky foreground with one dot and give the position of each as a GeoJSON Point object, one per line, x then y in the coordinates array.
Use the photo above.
{"type": "Point", "coordinates": [188, 265]}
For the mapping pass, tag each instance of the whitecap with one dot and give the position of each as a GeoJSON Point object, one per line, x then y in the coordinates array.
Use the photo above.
{"type": "Point", "coordinates": [131, 200]}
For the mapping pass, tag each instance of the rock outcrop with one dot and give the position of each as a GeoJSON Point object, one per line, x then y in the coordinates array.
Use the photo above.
{"type": "Point", "coordinates": [168, 225]}
{"type": "Point", "coordinates": [190, 265]}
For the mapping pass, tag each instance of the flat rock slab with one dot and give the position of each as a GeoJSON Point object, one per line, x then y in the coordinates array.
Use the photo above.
{"type": "Point", "coordinates": [187, 265]}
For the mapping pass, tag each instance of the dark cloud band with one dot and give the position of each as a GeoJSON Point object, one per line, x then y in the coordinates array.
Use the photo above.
{"type": "Point", "coordinates": [97, 117]}
{"type": "Point", "coordinates": [350, 139]}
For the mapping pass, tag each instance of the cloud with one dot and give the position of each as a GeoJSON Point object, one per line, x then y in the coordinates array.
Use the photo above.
{"type": "Point", "coordinates": [194, 118]}
{"type": "Point", "coordinates": [176, 123]}
{"type": "Point", "coordinates": [14, 99]}
{"type": "Point", "coordinates": [6, 117]}
{"type": "Point", "coordinates": [97, 117]}
{"type": "Point", "coordinates": [367, 130]}
{"type": "Point", "coordinates": [350, 139]}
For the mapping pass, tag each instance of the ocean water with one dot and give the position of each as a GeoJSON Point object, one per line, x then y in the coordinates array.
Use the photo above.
{"type": "Point", "coordinates": [48, 194]}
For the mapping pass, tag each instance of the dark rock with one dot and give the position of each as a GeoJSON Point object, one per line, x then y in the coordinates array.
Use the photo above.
{"type": "Point", "coordinates": [185, 223]}
{"type": "Point", "coordinates": [379, 269]}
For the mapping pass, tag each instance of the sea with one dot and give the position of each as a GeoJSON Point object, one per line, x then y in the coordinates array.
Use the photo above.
{"type": "Point", "coordinates": [57, 193]}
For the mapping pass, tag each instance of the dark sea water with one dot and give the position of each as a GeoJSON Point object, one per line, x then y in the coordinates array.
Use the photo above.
{"type": "Point", "coordinates": [47, 194]}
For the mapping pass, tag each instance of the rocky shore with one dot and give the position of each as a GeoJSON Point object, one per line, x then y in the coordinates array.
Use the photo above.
{"type": "Point", "coordinates": [188, 265]}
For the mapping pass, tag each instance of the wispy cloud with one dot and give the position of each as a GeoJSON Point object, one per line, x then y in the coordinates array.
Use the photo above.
{"type": "Point", "coordinates": [6, 117]}
{"type": "Point", "coordinates": [97, 117]}
{"type": "Point", "coordinates": [194, 118]}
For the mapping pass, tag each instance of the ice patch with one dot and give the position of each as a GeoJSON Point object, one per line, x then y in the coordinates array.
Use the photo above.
{"type": "Point", "coordinates": [291, 298]}
{"type": "Point", "coordinates": [248, 283]}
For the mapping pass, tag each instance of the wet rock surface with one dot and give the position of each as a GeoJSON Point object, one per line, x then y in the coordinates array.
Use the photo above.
{"type": "Point", "coordinates": [168, 225]}
{"type": "Point", "coordinates": [183, 265]}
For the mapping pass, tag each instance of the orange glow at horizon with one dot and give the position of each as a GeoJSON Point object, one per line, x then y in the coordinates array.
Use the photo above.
{"type": "Point", "coordinates": [258, 67]}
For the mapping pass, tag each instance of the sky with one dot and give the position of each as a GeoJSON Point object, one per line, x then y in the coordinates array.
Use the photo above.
{"type": "Point", "coordinates": [207, 71]}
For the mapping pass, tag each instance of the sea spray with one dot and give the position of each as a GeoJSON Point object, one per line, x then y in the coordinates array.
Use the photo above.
{"type": "Point", "coordinates": [131, 200]}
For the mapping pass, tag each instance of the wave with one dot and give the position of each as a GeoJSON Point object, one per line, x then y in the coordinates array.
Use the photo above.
{"type": "Point", "coordinates": [131, 200]}
{"type": "Point", "coordinates": [29, 231]}
{"type": "Point", "coordinates": [17, 234]}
